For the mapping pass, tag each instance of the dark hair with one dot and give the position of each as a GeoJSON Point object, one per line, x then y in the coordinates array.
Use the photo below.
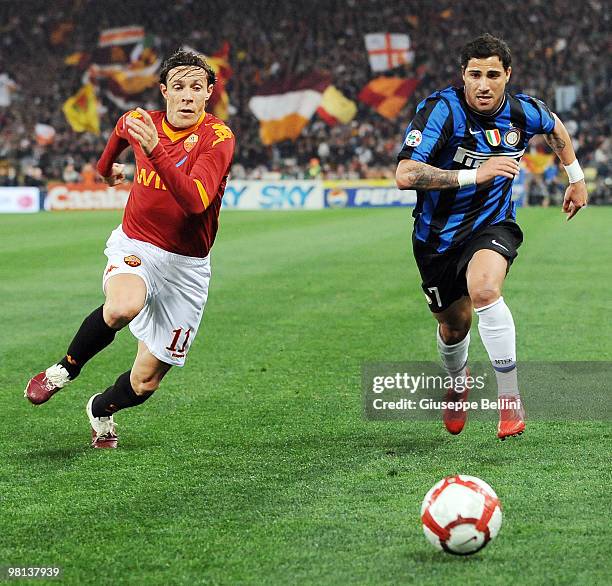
{"type": "Point", "coordinates": [486, 46]}
{"type": "Point", "coordinates": [182, 58]}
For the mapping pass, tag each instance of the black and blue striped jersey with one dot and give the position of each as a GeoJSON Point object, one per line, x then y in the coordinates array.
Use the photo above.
{"type": "Point", "coordinates": [446, 133]}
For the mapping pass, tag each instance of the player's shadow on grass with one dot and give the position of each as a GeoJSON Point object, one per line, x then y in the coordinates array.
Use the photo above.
{"type": "Point", "coordinates": [78, 450]}
{"type": "Point", "coordinates": [349, 442]}
{"type": "Point", "coordinates": [56, 454]}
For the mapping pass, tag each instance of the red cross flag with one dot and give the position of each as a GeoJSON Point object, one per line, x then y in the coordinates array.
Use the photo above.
{"type": "Point", "coordinates": [388, 50]}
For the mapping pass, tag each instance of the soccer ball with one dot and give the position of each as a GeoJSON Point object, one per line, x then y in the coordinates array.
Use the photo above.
{"type": "Point", "coordinates": [461, 514]}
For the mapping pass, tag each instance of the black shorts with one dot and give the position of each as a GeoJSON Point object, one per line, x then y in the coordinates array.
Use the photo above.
{"type": "Point", "coordinates": [443, 273]}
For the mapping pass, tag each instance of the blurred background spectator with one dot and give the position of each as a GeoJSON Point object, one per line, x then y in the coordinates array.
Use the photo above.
{"type": "Point", "coordinates": [561, 54]}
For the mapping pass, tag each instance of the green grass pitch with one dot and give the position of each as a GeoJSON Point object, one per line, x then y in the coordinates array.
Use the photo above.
{"type": "Point", "coordinates": [253, 464]}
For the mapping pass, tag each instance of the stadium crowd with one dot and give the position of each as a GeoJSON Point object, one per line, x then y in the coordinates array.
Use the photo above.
{"type": "Point", "coordinates": [270, 39]}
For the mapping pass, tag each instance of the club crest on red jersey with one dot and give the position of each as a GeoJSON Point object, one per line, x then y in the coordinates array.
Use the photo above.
{"type": "Point", "coordinates": [132, 261]}
{"type": "Point", "coordinates": [190, 142]}
{"type": "Point", "coordinates": [493, 137]}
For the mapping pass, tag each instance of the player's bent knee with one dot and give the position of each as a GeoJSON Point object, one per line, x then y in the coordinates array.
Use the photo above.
{"type": "Point", "coordinates": [485, 295]}
{"type": "Point", "coordinates": [117, 315]}
{"type": "Point", "coordinates": [453, 334]}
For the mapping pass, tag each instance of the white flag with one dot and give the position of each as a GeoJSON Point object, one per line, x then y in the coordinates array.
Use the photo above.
{"type": "Point", "coordinates": [388, 50]}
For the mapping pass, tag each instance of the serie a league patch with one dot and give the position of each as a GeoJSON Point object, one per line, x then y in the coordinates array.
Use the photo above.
{"type": "Point", "coordinates": [190, 142]}
{"type": "Point", "coordinates": [132, 261]}
{"type": "Point", "coordinates": [512, 137]}
{"type": "Point", "coordinates": [414, 138]}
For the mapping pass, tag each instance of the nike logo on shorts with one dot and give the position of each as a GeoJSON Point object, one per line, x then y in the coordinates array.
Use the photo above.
{"type": "Point", "coordinates": [498, 244]}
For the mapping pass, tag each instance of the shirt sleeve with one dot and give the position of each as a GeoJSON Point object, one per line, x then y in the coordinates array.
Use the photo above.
{"type": "Point", "coordinates": [195, 191]}
{"type": "Point", "coordinates": [430, 129]}
{"type": "Point", "coordinates": [117, 143]}
{"type": "Point", "coordinates": [539, 118]}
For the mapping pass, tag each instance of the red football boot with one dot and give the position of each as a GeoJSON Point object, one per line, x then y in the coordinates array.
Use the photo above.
{"type": "Point", "coordinates": [102, 429]}
{"type": "Point", "coordinates": [454, 419]}
{"type": "Point", "coordinates": [45, 384]}
{"type": "Point", "coordinates": [511, 416]}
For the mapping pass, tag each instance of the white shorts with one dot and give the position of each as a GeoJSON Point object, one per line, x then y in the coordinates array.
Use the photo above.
{"type": "Point", "coordinates": [177, 289]}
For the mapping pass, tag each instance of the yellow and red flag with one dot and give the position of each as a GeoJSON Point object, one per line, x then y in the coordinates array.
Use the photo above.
{"type": "Point", "coordinates": [336, 107]}
{"type": "Point", "coordinates": [388, 95]}
{"type": "Point", "coordinates": [81, 110]}
{"type": "Point", "coordinates": [218, 103]}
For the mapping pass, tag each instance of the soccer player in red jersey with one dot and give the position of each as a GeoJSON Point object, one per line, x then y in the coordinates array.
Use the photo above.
{"type": "Point", "coordinates": [158, 271]}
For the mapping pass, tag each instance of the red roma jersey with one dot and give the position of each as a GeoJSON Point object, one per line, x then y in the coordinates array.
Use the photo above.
{"type": "Point", "coordinates": [175, 200]}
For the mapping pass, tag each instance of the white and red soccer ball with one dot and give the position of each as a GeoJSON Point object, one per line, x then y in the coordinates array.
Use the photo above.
{"type": "Point", "coordinates": [461, 514]}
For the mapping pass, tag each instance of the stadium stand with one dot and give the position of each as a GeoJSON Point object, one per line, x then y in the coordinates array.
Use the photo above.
{"type": "Point", "coordinates": [269, 40]}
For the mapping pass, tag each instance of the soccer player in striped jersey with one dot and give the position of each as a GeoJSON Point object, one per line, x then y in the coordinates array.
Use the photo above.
{"type": "Point", "coordinates": [461, 153]}
{"type": "Point", "coordinates": [158, 270]}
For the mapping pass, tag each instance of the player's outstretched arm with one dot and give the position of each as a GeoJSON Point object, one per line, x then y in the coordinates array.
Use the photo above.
{"type": "Point", "coordinates": [112, 172]}
{"type": "Point", "coordinates": [416, 175]}
{"type": "Point", "coordinates": [560, 142]}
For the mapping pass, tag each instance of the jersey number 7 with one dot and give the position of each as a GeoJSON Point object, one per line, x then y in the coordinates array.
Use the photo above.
{"type": "Point", "coordinates": [435, 291]}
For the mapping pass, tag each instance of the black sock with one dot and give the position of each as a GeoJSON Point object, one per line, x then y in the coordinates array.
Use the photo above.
{"type": "Point", "coordinates": [117, 397]}
{"type": "Point", "coordinates": [93, 335]}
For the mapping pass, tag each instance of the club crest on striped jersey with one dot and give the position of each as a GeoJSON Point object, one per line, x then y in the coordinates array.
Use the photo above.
{"type": "Point", "coordinates": [190, 142]}
{"type": "Point", "coordinates": [414, 138]}
{"type": "Point", "coordinates": [493, 137]}
{"type": "Point", "coordinates": [512, 137]}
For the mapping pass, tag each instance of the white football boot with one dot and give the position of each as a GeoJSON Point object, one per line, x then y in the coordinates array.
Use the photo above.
{"type": "Point", "coordinates": [102, 428]}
